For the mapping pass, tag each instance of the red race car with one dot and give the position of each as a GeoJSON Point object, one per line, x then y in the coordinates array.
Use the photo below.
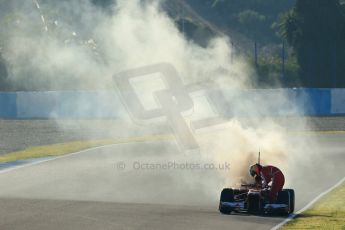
{"type": "Point", "coordinates": [253, 199]}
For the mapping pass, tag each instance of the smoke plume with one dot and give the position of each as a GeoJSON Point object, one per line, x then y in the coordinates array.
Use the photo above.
{"type": "Point", "coordinates": [76, 45]}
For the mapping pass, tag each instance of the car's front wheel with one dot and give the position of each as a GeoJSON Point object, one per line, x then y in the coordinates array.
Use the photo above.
{"type": "Point", "coordinates": [227, 195]}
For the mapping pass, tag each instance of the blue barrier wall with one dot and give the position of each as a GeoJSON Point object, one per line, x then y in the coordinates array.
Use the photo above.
{"type": "Point", "coordinates": [279, 102]}
{"type": "Point", "coordinates": [8, 108]}
{"type": "Point", "coordinates": [315, 102]}
{"type": "Point", "coordinates": [106, 104]}
{"type": "Point", "coordinates": [68, 104]}
{"type": "Point", "coordinates": [338, 101]}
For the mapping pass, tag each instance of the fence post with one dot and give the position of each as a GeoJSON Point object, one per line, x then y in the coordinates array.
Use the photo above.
{"type": "Point", "coordinates": [182, 18]}
{"type": "Point", "coordinates": [232, 52]}
{"type": "Point", "coordinates": [256, 54]}
{"type": "Point", "coordinates": [334, 69]}
{"type": "Point", "coordinates": [283, 60]}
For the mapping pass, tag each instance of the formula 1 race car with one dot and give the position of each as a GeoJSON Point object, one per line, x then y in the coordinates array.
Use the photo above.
{"type": "Point", "coordinates": [254, 200]}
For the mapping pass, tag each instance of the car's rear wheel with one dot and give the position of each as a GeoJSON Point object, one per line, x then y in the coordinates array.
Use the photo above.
{"type": "Point", "coordinates": [227, 195]}
{"type": "Point", "coordinates": [284, 198]}
{"type": "Point", "coordinates": [291, 200]}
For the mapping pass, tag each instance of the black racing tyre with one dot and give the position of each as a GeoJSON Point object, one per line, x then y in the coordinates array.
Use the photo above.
{"type": "Point", "coordinates": [284, 198]}
{"type": "Point", "coordinates": [254, 203]}
{"type": "Point", "coordinates": [292, 200]}
{"type": "Point", "coordinates": [227, 195]}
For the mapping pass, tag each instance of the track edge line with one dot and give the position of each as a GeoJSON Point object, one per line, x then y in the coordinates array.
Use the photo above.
{"type": "Point", "coordinates": [129, 140]}
{"type": "Point", "coordinates": [311, 203]}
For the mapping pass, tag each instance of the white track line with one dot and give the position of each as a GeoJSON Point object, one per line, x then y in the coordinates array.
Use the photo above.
{"type": "Point", "coordinates": [128, 140]}
{"type": "Point", "coordinates": [53, 158]}
{"type": "Point", "coordinates": [72, 154]}
{"type": "Point", "coordinates": [311, 203]}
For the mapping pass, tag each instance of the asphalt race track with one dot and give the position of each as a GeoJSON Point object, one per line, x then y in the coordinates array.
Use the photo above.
{"type": "Point", "coordinates": [101, 189]}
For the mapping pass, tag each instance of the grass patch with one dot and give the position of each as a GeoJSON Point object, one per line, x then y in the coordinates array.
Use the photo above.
{"type": "Point", "coordinates": [327, 213]}
{"type": "Point", "coordinates": [70, 147]}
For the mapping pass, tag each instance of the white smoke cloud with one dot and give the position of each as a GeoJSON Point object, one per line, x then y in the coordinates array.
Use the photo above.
{"type": "Point", "coordinates": [83, 46]}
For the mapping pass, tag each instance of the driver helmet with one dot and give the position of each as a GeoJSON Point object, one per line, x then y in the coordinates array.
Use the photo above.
{"type": "Point", "coordinates": [254, 169]}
